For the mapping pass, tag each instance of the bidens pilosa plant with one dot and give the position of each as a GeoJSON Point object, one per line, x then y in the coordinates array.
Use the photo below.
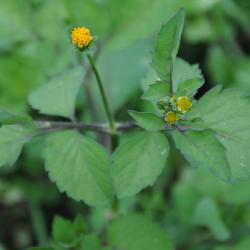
{"type": "Point", "coordinates": [212, 132]}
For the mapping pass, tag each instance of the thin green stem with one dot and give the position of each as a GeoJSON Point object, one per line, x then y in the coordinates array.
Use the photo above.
{"type": "Point", "coordinates": [103, 94]}
{"type": "Point", "coordinates": [38, 223]}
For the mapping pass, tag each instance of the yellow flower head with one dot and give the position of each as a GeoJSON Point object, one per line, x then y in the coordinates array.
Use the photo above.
{"type": "Point", "coordinates": [171, 117]}
{"type": "Point", "coordinates": [81, 37]}
{"type": "Point", "coordinates": [183, 104]}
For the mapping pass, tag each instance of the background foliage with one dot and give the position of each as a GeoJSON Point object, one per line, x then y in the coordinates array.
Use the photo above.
{"type": "Point", "coordinates": [187, 208]}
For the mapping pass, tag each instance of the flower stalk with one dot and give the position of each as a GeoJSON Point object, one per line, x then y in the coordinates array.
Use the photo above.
{"type": "Point", "coordinates": [103, 94]}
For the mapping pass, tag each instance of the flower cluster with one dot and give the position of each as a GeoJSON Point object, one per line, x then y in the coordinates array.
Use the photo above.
{"type": "Point", "coordinates": [81, 37]}
{"type": "Point", "coordinates": [174, 108]}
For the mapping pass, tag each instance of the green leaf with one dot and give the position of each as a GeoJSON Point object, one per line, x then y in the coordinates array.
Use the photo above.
{"type": "Point", "coordinates": [167, 46]}
{"type": "Point", "coordinates": [207, 214]}
{"type": "Point", "coordinates": [183, 72]}
{"type": "Point", "coordinates": [80, 167]}
{"type": "Point", "coordinates": [65, 232]}
{"type": "Point", "coordinates": [189, 87]}
{"type": "Point", "coordinates": [90, 242]}
{"type": "Point", "coordinates": [148, 121]}
{"type": "Point", "coordinates": [62, 230]}
{"type": "Point", "coordinates": [134, 232]}
{"type": "Point", "coordinates": [79, 225]}
{"type": "Point", "coordinates": [138, 161]}
{"type": "Point", "coordinates": [203, 149]}
{"type": "Point", "coordinates": [156, 91]}
{"type": "Point", "coordinates": [12, 139]}
{"type": "Point", "coordinates": [58, 97]}
{"type": "Point", "coordinates": [227, 113]}
{"type": "Point", "coordinates": [7, 117]}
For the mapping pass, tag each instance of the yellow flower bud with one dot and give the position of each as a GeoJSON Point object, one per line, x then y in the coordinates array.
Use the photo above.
{"type": "Point", "coordinates": [183, 104]}
{"type": "Point", "coordinates": [81, 37]}
{"type": "Point", "coordinates": [173, 98]}
{"type": "Point", "coordinates": [171, 117]}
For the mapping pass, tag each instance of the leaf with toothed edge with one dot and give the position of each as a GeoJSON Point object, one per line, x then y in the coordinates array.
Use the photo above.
{"type": "Point", "coordinates": [203, 149]}
{"type": "Point", "coordinates": [186, 77]}
{"type": "Point", "coordinates": [167, 46]}
{"type": "Point", "coordinates": [12, 139]}
{"type": "Point", "coordinates": [80, 167]}
{"type": "Point", "coordinates": [138, 162]}
{"type": "Point", "coordinates": [148, 121]}
{"type": "Point", "coordinates": [58, 97]}
{"type": "Point", "coordinates": [156, 91]}
{"type": "Point", "coordinates": [227, 113]}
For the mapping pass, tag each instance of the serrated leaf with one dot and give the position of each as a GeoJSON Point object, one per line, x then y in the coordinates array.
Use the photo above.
{"type": "Point", "coordinates": [203, 149]}
{"type": "Point", "coordinates": [167, 46]}
{"type": "Point", "coordinates": [58, 97]}
{"type": "Point", "coordinates": [80, 167]}
{"type": "Point", "coordinates": [189, 87]}
{"type": "Point", "coordinates": [134, 232]}
{"type": "Point", "coordinates": [228, 114]}
{"type": "Point", "coordinates": [12, 139]}
{"type": "Point", "coordinates": [138, 162]}
{"type": "Point", "coordinates": [7, 117]}
{"type": "Point", "coordinates": [207, 214]}
{"type": "Point", "coordinates": [184, 71]}
{"type": "Point", "coordinates": [148, 121]}
{"type": "Point", "coordinates": [156, 91]}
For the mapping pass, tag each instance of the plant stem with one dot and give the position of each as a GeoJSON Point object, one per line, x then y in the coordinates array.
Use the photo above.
{"type": "Point", "coordinates": [51, 126]}
{"type": "Point", "coordinates": [38, 223]}
{"type": "Point", "coordinates": [103, 94]}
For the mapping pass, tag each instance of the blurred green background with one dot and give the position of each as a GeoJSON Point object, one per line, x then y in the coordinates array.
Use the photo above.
{"type": "Point", "coordinates": [196, 210]}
